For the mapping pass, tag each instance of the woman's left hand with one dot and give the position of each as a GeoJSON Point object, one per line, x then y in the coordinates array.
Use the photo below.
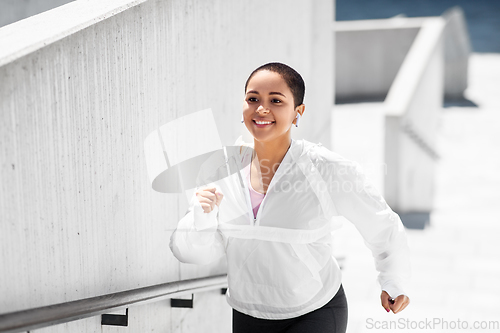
{"type": "Point", "coordinates": [399, 304]}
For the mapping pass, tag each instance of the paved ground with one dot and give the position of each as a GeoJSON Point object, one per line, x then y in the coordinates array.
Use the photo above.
{"type": "Point", "coordinates": [456, 260]}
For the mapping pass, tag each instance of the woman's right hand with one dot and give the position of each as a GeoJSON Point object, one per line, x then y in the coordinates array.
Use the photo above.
{"type": "Point", "coordinates": [208, 198]}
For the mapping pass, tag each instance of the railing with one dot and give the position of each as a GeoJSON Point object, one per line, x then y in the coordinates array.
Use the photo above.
{"type": "Point", "coordinates": [413, 106]}
{"type": "Point", "coordinates": [25, 320]}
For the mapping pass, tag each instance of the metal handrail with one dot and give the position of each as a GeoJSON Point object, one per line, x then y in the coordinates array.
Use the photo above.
{"type": "Point", "coordinates": [22, 321]}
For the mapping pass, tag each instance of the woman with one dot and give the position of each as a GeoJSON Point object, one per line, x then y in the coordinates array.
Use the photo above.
{"type": "Point", "coordinates": [275, 226]}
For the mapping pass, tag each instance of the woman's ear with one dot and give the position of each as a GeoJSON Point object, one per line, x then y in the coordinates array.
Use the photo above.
{"type": "Point", "coordinates": [300, 109]}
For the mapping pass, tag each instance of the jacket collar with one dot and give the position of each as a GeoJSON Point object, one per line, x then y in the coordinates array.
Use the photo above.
{"type": "Point", "coordinates": [292, 155]}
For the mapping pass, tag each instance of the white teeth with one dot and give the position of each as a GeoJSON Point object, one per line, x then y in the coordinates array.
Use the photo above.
{"type": "Point", "coordinates": [263, 122]}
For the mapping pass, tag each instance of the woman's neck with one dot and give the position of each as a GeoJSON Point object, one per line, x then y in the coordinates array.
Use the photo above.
{"type": "Point", "coordinates": [270, 154]}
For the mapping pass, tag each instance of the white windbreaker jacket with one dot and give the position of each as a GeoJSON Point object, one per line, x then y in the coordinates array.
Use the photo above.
{"type": "Point", "coordinates": [280, 264]}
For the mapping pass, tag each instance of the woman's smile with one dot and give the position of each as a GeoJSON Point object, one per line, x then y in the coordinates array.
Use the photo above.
{"type": "Point", "coordinates": [263, 123]}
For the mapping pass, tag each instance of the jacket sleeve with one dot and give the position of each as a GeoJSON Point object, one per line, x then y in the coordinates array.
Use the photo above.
{"type": "Point", "coordinates": [357, 200]}
{"type": "Point", "coordinates": [196, 239]}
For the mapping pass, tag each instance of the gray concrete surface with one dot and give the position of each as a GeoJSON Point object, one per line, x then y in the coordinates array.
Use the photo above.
{"type": "Point", "coordinates": [455, 260]}
{"type": "Point", "coordinates": [369, 55]}
{"type": "Point", "coordinates": [15, 10]}
{"type": "Point", "coordinates": [81, 87]}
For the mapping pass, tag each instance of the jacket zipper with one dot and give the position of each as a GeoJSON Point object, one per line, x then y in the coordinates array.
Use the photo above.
{"type": "Point", "coordinates": [249, 202]}
{"type": "Point", "coordinates": [273, 180]}
{"type": "Point", "coordinates": [261, 205]}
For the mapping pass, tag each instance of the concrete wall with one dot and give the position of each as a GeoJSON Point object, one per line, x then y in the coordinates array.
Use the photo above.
{"type": "Point", "coordinates": [77, 99]}
{"type": "Point", "coordinates": [15, 10]}
{"type": "Point", "coordinates": [369, 55]}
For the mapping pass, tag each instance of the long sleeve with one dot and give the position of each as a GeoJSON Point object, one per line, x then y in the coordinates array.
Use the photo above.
{"type": "Point", "coordinates": [358, 201]}
{"type": "Point", "coordinates": [196, 239]}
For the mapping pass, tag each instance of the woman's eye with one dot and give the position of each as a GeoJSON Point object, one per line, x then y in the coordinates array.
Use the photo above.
{"type": "Point", "coordinates": [274, 100]}
{"type": "Point", "coordinates": [252, 99]}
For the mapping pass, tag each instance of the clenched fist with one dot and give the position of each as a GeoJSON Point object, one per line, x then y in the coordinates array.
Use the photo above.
{"type": "Point", "coordinates": [208, 198]}
{"type": "Point", "coordinates": [396, 305]}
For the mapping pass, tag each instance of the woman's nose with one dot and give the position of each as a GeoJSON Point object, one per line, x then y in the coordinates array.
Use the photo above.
{"type": "Point", "coordinates": [261, 109]}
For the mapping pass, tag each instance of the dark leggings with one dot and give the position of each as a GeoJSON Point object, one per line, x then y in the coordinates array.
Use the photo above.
{"type": "Point", "coordinates": [330, 318]}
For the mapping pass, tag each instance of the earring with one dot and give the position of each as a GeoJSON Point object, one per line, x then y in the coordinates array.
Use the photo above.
{"type": "Point", "coordinates": [242, 120]}
{"type": "Point", "coordinates": [297, 122]}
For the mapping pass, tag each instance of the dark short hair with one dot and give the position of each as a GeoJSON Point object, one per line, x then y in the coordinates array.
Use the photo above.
{"type": "Point", "coordinates": [291, 77]}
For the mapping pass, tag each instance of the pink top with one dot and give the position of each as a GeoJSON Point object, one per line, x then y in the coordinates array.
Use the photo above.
{"type": "Point", "coordinates": [255, 197]}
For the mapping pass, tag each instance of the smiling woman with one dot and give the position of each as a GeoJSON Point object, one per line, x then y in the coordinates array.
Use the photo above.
{"type": "Point", "coordinates": [274, 96]}
{"type": "Point", "coordinates": [282, 276]}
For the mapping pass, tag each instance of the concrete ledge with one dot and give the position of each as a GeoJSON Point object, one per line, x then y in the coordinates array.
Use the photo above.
{"type": "Point", "coordinates": [409, 75]}
{"type": "Point", "coordinates": [371, 52]}
{"type": "Point", "coordinates": [369, 57]}
{"type": "Point", "coordinates": [26, 36]}
{"type": "Point", "coordinates": [379, 24]}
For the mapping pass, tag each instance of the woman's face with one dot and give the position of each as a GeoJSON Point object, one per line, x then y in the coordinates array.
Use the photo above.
{"type": "Point", "coordinates": [268, 99]}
